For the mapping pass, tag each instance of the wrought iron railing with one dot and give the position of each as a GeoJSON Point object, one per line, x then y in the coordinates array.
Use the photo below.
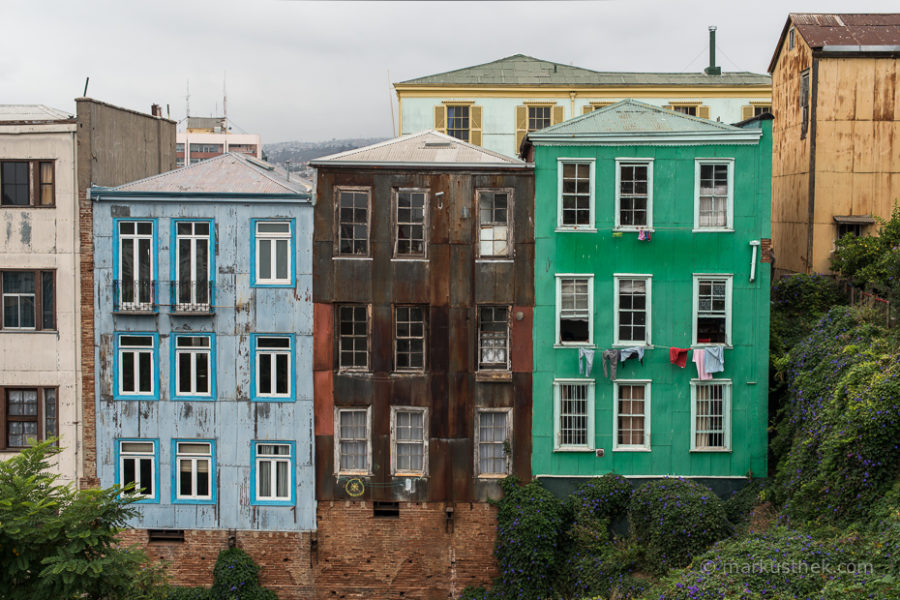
{"type": "Point", "coordinates": [192, 296]}
{"type": "Point", "coordinates": [138, 295]}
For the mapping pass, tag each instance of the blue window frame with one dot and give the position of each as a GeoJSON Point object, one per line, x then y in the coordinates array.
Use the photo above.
{"type": "Point", "coordinates": [193, 364]}
{"type": "Point", "coordinates": [135, 265]}
{"type": "Point", "coordinates": [272, 473]}
{"type": "Point", "coordinates": [137, 460]}
{"type": "Point", "coordinates": [272, 367]}
{"type": "Point", "coordinates": [193, 265]}
{"type": "Point", "coordinates": [136, 366]}
{"type": "Point", "coordinates": [272, 253]}
{"type": "Point", "coordinates": [194, 472]}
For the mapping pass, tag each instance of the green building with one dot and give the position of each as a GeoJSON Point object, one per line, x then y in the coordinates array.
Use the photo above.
{"type": "Point", "coordinates": [651, 232]}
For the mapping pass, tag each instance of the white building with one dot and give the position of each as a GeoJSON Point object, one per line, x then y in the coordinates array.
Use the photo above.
{"type": "Point", "coordinates": [207, 137]}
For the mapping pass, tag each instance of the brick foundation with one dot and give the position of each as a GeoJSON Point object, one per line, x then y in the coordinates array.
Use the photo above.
{"type": "Point", "coordinates": [354, 555]}
{"type": "Point", "coordinates": [412, 557]}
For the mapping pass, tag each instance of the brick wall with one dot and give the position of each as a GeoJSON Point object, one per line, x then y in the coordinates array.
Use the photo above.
{"type": "Point", "coordinates": [354, 555]}
{"type": "Point", "coordinates": [412, 557]}
{"type": "Point", "coordinates": [88, 413]}
{"type": "Point", "coordinates": [283, 556]}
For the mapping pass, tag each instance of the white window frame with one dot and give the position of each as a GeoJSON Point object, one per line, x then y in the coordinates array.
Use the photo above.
{"type": "Point", "coordinates": [138, 456]}
{"type": "Point", "coordinates": [195, 459]}
{"type": "Point", "coordinates": [726, 414]}
{"type": "Point", "coordinates": [648, 282]}
{"type": "Point", "coordinates": [729, 280]}
{"type": "Point", "coordinates": [337, 440]}
{"type": "Point", "coordinates": [137, 304]}
{"type": "Point", "coordinates": [195, 239]}
{"type": "Point", "coordinates": [592, 183]}
{"type": "Point", "coordinates": [341, 337]}
{"type": "Point", "coordinates": [273, 367]}
{"type": "Point", "coordinates": [196, 353]}
{"type": "Point", "coordinates": [273, 460]}
{"type": "Point", "coordinates": [425, 224]}
{"type": "Point", "coordinates": [509, 441]}
{"type": "Point", "coordinates": [558, 446]}
{"type": "Point", "coordinates": [729, 203]}
{"type": "Point", "coordinates": [137, 350]}
{"type": "Point", "coordinates": [274, 238]}
{"type": "Point", "coordinates": [645, 447]}
{"type": "Point", "coordinates": [493, 367]}
{"type": "Point", "coordinates": [590, 278]}
{"type": "Point", "coordinates": [509, 223]}
{"type": "Point", "coordinates": [620, 162]}
{"type": "Point", "coordinates": [395, 442]}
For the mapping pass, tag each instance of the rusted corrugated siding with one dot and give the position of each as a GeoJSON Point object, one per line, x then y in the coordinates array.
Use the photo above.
{"type": "Point", "coordinates": [451, 284]}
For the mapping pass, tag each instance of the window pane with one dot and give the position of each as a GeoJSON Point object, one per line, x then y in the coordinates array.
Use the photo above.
{"type": "Point", "coordinates": [265, 478]}
{"type": "Point", "coordinates": [146, 371]}
{"type": "Point", "coordinates": [127, 359]}
{"type": "Point", "coordinates": [137, 447]}
{"type": "Point", "coordinates": [184, 372]}
{"type": "Point", "coordinates": [269, 227]}
{"type": "Point", "coordinates": [281, 477]}
{"type": "Point", "coordinates": [50, 418]}
{"type": "Point", "coordinates": [282, 378]}
{"type": "Point", "coordinates": [185, 477]}
{"type": "Point", "coordinates": [265, 259]}
{"type": "Point", "coordinates": [202, 366]}
{"type": "Point", "coordinates": [47, 298]}
{"type": "Point", "coordinates": [194, 448]}
{"type": "Point", "coordinates": [146, 470]}
{"type": "Point", "coordinates": [281, 259]}
{"type": "Point", "coordinates": [128, 471]}
{"type": "Point", "coordinates": [265, 373]}
{"type": "Point", "coordinates": [18, 282]}
{"type": "Point", "coordinates": [14, 183]}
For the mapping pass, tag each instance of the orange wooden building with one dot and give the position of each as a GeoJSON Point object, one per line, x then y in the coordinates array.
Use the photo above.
{"type": "Point", "coordinates": [836, 136]}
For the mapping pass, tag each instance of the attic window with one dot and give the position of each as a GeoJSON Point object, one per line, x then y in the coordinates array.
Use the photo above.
{"type": "Point", "coordinates": [791, 38]}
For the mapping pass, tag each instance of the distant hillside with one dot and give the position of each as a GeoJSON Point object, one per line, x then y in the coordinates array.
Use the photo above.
{"type": "Point", "coordinates": [302, 152]}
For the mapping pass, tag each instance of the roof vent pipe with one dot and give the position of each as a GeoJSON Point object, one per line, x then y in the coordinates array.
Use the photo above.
{"type": "Point", "coordinates": [712, 69]}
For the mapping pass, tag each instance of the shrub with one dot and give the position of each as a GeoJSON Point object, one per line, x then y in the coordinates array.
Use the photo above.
{"type": "Point", "coordinates": [798, 302]}
{"type": "Point", "coordinates": [739, 504]}
{"type": "Point", "coordinates": [604, 497]}
{"type": "Point", "coordinates": [236, 577]}
{"type": "Point", "coordinates": [189, 593]}
{"type": "Point", "coordinates": [529, 523]}
{"type": "Point", "coordinates": [675, 519]}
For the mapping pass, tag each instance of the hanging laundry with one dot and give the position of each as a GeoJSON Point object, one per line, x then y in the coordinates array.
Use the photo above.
{"type": "Point", "coordinates": [699, 355]}
{"type": "Point", "coordinates": [643, 235]}
{"type": "Point", "coordinates": [611, 356]}
{"type": "Point", "coordinates": [714, 359]}
{"type": "Point", "coordinates": [588, 355]}
{"type": "Point", "coordinates": [633, 352]}
{"type": "Point", "coordinates": [678, 356]}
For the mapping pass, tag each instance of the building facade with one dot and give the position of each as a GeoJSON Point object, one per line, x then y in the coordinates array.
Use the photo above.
{"type": "Point", "coordinates": [496, 104]}
{"type": "Point", "coordinates": [208, 137]}
{"type": "Point", "coordinates": [648, 234]}
{"type": "Point", "coordinates": [836, 149]}
{"type": "Point", "coordinates": [203, 346]}
{"type": "Point", "coordinates": [423, 288]}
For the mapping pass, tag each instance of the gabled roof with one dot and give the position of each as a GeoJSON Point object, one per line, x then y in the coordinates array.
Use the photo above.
{"type": "Point", "coordinates": [630, 121]}
{"type": "Point", "coordinates": [844, 32]}
{"type": "Point", "coordinates": [230, 173]}
{"type": "Point", "coordinates": [31, 113]}
{"type": "Point", "coordinates": [519, 69]}
{"type": "Point", "coordinates": [423, 149]}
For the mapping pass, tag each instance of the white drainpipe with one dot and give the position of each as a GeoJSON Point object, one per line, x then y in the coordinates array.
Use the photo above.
{"type": "Point", "coordinates": [754, 244]}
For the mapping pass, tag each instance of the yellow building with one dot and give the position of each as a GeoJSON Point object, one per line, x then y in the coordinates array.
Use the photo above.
{"type": "Point", "coordinates": [836, 136]}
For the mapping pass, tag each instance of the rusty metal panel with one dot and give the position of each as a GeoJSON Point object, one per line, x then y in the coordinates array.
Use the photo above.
{"type": "Point", "coordinates": [848, 29]}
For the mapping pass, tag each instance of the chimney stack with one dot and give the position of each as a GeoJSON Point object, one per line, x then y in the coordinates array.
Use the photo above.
{"type": "Point", "coordinates": [712, 69]}
{"type": "Point", "coordinates": [156, 110]}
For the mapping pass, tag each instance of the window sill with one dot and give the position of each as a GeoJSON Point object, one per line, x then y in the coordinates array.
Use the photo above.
{"type": "Point", "coordinates": [420, 373]}
{"type": "Point", "coordinates": [410, 475]}
{"type": "Point", "coordinates": [713, 450]}
{"type": "Point", "coordinates": [591, 450]}
{"type": "Point", "coordinates": [29, 331]}
{"type": "Point", "coordinates": [351, 258]}
{"type": "Point", "coordinates": [190, 501]}
{"type": "Point", "coordinates": [272, 503]}
{"type": "Point", "coordinates": [701, 346]}
{"type": "Point", "coordinates": [23, 206]}
{"type": "Point", "coordinates": [713, 230]}
{"type": "Point", "coordinates": [493, 476]}
{"type": "Point", "coordinates": [193, 399]}
{"type": "Point", "coordinates": [353, 474]}
{"type": "Point", "coordinates": [490, 376]}
{"type": "Point", "coordinates": [411, 260]}
{"type": "Point", "coordinates": [494, 260]}
{"type": "Point", "coordinates": [272, 285]}
{"type": "Point", "coordinates": [587, 345]}
{"type": "Point", "coordinates": [633, 229]}
{"type": "Point", "coordinates": [644, 345]}
{"type": "Point", "coordinates": [353, 372]}
{"type": "Point", "coordinates": [631, 449]}
{"type": "Point", "coordinates": [136, 313]}
{"type": "Point", "coordinates": [272, 399]}
{"type": "Point", "coordinates": [137, 398]}
{"type": "Point", "coordinates": [192, 313]}
{"type": "Point", "coordinates": [576, 230]}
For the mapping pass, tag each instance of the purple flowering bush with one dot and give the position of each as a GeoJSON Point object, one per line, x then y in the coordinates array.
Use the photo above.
{"type": "Point", "coordinates": [838, 436]}
{"type": "Point", "coordinates": [235, 577]}
{"type": "Point", "coordinates": [674, 520]}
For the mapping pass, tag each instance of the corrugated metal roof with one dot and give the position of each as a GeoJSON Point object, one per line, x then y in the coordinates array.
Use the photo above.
{"type": "Point", "coordinates": [426, 147]}
{"type": "Point", "coordinates": [229, 173]}
{"type": "Point", "coordinates": [519, 69]}
{"type": "Point", "coordinates": [33, 113]}
{"type": "Point", "coordinates": [819, 30]}
{"type": "Point", "coordinates": [635, 117]}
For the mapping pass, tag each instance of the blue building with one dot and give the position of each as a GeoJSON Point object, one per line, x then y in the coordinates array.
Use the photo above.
{"type": "Point", "coordinates": [203, 346]}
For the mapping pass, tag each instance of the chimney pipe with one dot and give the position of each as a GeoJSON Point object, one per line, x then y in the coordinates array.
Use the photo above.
{"type": "Point", "coordinates": [712, 69]}
{"type": "Point", "coordinates": [156, 110]}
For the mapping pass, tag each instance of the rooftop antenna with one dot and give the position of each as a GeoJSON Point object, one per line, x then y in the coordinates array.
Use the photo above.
{"type": "Point", "coordinates": [224, 102]}
{"type": "Point", "coordinates": [86, 81]}
{"type": "Point", "coordinates": [391, 99]}
{"type": "Point", "coordinates": [187, 101]}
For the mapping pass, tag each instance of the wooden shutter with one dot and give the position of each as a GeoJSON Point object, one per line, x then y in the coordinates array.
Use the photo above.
{"type": "Point", "coordinates": [475, 125]}
{"type": "Point", "coordinates": [521, 125]}
{"type": "Point", "coordinates": [556, 115]}
{"type": "Point", "coordinates": [746, 112]}
{"type": "Point", "coordinates": [703, 112]}
{"type": "Point", "coordinates": [440, 118]}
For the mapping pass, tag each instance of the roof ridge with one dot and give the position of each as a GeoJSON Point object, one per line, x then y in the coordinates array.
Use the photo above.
{"type": "Point", "coordinates": [409, 136]}
{"type": "Point", "coordinates": [169, 172]}
{"type": "Point", "coordinates": [245, 160]}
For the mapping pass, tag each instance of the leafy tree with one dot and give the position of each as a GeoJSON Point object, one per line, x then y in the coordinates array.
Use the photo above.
{"type": "Point", "coordinates": [60, 543]}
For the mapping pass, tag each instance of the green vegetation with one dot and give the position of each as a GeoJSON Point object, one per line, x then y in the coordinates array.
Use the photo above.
{"type": "Point", "coordinates": [872, 260]}
{"type": "Point", "coordinates": [60, 543]}
{"type": "Point", "coordinates": [235, 577]}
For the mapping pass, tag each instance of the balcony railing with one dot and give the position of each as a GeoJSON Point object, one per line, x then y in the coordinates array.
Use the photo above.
{"type": "Point", "coordinates": [134, 296]}
{"type": "Point", "coordinates": [192, 296]}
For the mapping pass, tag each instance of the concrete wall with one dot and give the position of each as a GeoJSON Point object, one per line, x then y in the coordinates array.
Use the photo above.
{"type": "Point", "coordinates": [499, 111]}
{"type": "Point", "coordinates": [232, 419]}
{"type": "Point", "coordinates": [46, 238]}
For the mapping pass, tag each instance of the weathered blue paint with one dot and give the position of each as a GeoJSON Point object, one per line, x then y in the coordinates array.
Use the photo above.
{"type": "Point", "coordinates": [212, 369]}
{"type": "Point", "coordinates": [155, 498]}
{"type": "Point", "coordinates": [115, 368]}
{"type": "Point", "coordinates": [232, 420]}
{"type": "Point", "coordinates": [293, 489]}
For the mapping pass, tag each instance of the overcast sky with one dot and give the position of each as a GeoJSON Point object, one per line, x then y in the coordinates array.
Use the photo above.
{"type": "Point", "coordinates": [319, 70]}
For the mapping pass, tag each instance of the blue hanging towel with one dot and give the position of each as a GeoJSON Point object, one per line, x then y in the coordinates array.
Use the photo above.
{"type": "Point", "coordinates": [633, 352]}
{"type": "Point", "coordinates": [715, 359]}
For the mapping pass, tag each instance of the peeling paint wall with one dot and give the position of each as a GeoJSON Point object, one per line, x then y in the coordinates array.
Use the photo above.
{"type": "Point", "coordinates": [232, 419]}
